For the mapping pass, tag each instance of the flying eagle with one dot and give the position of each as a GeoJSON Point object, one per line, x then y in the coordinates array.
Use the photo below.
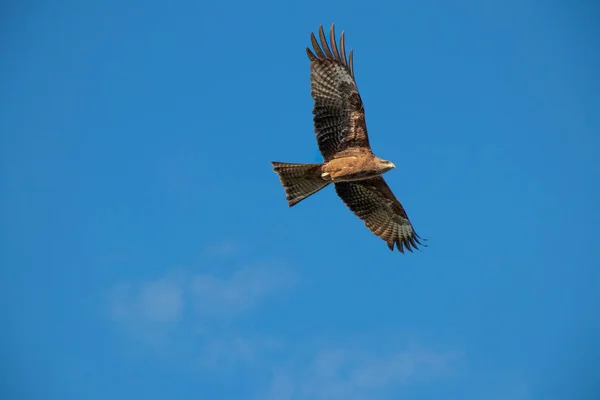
{"type": "Point", "coordinates": [349, 163]}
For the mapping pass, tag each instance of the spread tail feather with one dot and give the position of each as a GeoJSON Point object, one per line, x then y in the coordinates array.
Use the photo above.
{"type": "Point", "coordinates": [299, 180]}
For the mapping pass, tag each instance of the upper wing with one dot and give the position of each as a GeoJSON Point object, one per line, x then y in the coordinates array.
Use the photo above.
{"type": "Point", "coordinates": [373, 201]}
{"type": "Point", "coordinates": [339, 115]}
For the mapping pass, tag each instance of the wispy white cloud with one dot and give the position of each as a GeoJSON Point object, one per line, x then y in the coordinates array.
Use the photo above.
{"type": "Point", "coordinates": [282, 387]}
{"type": "Point", "coordinates": [157, 301]}
{"type": "Point", "coordinates": [241, 291]}
{"type": "Point", "coordinates": [197, 315]}
{"type": "Point", "coordinates": [178, 298]}
{"type": "Point", "coordinates": [355, 373]}
{"type": "Point", "coordinates": [149, 310]}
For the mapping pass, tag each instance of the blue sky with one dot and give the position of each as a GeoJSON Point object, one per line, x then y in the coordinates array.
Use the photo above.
{"type": "Point", "coordinates": [147, 249]}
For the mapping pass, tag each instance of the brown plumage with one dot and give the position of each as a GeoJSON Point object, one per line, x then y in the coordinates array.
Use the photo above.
{"type": "Point", "coordinates": [349, 163]}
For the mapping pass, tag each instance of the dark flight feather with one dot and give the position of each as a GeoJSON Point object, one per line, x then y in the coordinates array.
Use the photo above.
{"type": "Point", "coordinates": [339, 116]}
{"type": "Point", "coordinates": [374, 202]}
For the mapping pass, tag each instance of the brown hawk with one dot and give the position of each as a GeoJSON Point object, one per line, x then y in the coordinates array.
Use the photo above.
{"type": "Point", "coordinates": [349, 163]}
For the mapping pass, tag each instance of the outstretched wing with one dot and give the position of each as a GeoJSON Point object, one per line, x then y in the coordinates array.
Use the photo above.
{"type": "Point", "coordinates": [339, 115]}
{"type": "Point", "coordinates": [373, 201]}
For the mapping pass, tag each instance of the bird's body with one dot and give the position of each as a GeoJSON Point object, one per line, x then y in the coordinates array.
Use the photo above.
{"type": "Point", "coordinates": [354, 168]}
{"type": "Point", "coordinates": [349, 162]}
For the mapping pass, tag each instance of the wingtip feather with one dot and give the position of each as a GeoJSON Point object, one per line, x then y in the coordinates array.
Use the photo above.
{"type": "Point", "coordinates": [330, 50]}
{"type": "Point", "coordinates": [324, 44]}
{"type": "Point", "coordinates": [334, 48]}
{"type": "Point", "coordinates": [316, 46]}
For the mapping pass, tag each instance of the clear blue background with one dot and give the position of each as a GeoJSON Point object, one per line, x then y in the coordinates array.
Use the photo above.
{"type": "Point", "coordinates": [147, 250]}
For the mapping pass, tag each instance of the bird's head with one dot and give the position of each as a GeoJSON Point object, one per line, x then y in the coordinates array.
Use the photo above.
{"type": "Point", "coordinates": [386, 165]}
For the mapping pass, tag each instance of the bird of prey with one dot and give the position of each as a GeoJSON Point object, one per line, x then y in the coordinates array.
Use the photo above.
{"type": "Point", "coordinates": [348, 162]}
